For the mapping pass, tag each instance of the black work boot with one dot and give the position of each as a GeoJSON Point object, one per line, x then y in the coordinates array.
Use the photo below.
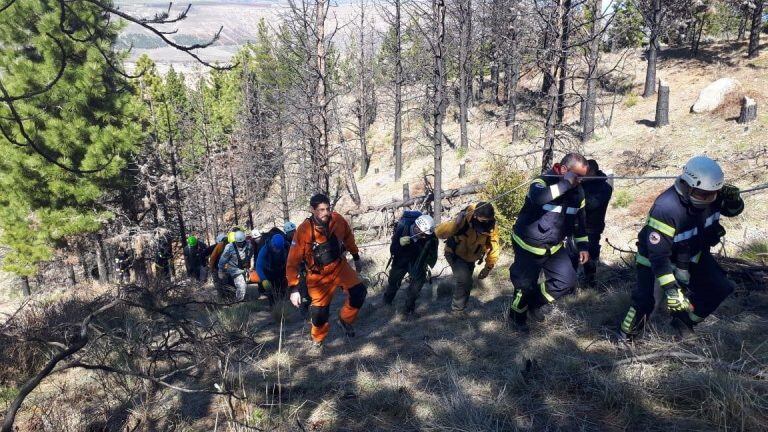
{"type": "Point", "coordinates": [518, 320]}
{"type": "Point", "coordinates": [539, 314]}
{"type": "Point", "coordinates": [682, 323]}
{"type": "Point", "coordinates": [349, 330]}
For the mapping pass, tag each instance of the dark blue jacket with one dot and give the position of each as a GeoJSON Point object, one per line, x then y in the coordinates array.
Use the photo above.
{"type": "Point", "coordinates": [550, 214]}
{"type": "Point", "coordinates": [597, 193]}
{"type": "Point", "coordinates": [270, 264]}
{"type": "Point", "coordinates": [676, 233]}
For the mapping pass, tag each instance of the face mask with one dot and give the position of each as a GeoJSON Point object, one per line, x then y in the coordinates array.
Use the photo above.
{"type": "Point", "coordinates": [483, 227]}
{"type": "Point", "coordinates": [699, 203]}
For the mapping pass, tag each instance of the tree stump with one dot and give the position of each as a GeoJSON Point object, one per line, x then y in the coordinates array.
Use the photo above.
{"type": "Point", "coordinates": [662, 105]}
{"type": "Point", "coordinates": [462, 170]}
{"type": "Point", "coordinates": [748, 110]}
{"type": "Point", "coordinates": [25, 286]}
{"type": "Point", "coordinates": [406, 192]}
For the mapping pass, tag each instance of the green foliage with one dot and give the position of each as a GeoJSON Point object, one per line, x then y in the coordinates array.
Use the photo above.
{"type": "Point", "coordinates": [631, 100]}
{"type": "Point", "coordinates": [621, 199]}
{"type": "Point", "coordinates": [7, 394]}
{"type": "Point", "coordinates": [626, 30]}
{"type": "Point", "coordinates": [502, 179]}
{"type": "Point", "coordinates": [85, 121]}
{"type": "Point", "coordinates": [756, 251]}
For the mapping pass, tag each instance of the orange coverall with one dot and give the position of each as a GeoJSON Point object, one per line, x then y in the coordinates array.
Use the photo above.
{"type": "Point", "coordinates": [322, 281]}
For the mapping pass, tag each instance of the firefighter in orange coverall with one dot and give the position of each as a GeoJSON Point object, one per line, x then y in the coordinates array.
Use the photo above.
{"type": "Point", "coordinates": [320, 243]}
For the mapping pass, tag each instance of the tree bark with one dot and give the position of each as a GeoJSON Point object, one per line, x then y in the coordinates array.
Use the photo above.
{"type": "Point", "coordinates": [653, 50]}
{"type": "Point", "coordinates": [362, 103]}
{"type": "Point", "coordinates": [748, 110]}
{"type": "Point", "coordinates": [101, 261]}
{"type": "Point", "coordinates": [71, 281]}
{"type": "Point", "coordinates": [754, 32]}
{"type": "Point", "coordinates": [465, 68]}
{"type": "Point", "coordinates": [438, 8]}
{"type": "Point", "coordinates": [25, 286]}
{"type": "Point", "coordinates": [563, 63]}
{"type": "Point", "coordinates": [593, 56]}
{"type": "Point", "coordinates": [398, 134]}
{"type": "Point", "coordinates": [662, 105]}
{"type": "Point", "coordinates": [551, 122]}
{"type": "Point", "coordinates": [321, 98]}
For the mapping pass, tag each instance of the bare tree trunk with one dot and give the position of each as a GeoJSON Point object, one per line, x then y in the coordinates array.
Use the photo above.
{"type": "Point", "coordinates": [563, 63]}
{"type": "Point", "coordinates": [101, 261]}
{"type": "Point", "coordinates": [232, 188]}
{"type": "Point", "coordinates": [362, 102]}
{"type": "Point", "coordinates": [25, 286]}
{"type": "Point", "coordinates": [550, 123]}
{"type": "Point", "coordinates": [593, 56]}
{"type": "Point", "coordinates": [71, 281]}
{"type": "Point", "coordinates": [754, 32]}
{"type": "Point", "coordinates": [174, 175]}
{"type": "Point", "coordinates": [653, 48]}
{"type": "Point", "coordinates": [283, 175]}
{"type": "Point", "coordinates": [398, 134]}
{"type": "Point", "coordinates": [514, 77]}
{"type": "Point", "coordinates": [465, 68]}
{"type": "Point", "coordinates": [321, 98]}
{"type": "Point", "coordinates": [438, 9]}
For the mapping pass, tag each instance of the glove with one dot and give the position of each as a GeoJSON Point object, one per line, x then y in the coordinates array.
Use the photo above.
{"type": "Point", "coordinates": [683, 277]}
{"type": "Point", "coordinates": [222, 275]}
{"type": "Point", "coordinates": [676, 300]}
{"type": "Point", "coordinates": [572, 178]}
{"type": "Point", "coordinates": [267, 285]}
{"type": "Point", "coordinates": [359, 265]}
{"type": "Point", "coordinates": [404, 241]}
{"type": "Point", "coordinates": [295, 298]}
{"type": "Point", "coordinates": [484, 273]}
{"type": "Point", "coordinates": [729, 192]}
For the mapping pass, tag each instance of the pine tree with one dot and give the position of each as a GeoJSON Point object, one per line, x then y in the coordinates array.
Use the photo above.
{"type": "Point", "coordinates": [83, 123]}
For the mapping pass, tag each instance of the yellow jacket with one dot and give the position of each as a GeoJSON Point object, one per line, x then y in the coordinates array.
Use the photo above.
{"type": "Point", "coordinates": [466, 243]}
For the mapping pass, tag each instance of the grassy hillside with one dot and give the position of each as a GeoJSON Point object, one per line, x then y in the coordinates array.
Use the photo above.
{"type": "Point", "coordinates": [445, 373]}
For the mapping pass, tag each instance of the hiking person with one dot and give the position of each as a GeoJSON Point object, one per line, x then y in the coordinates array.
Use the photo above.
{"type": "Point", "coordinates": [597, 195]}
{"type": "Point", "coordinates": [553, 210]}
{"type": "Point", "coordinates": [289, 228]}
{"type": "Point", "coordinates": [414, 251]}
{"type": "Point", "coordinates": [213, 257]}
{"type": "Point", "coordinates": [471, 237]}
{"type": "Point", "coordinates": [320, 243]}
{"type": "Point", "coordinates": [235, 262]}
{"type": "Point", "coordinates": [270, 266]}
{"type": "Point", "coordinates": [673, 249]}
{"type": "Point", "coordinates": [195, 258]}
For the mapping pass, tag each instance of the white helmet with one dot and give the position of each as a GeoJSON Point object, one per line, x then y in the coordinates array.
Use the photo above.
{"type": "Point", "coordinates": [703, 173]}
{"type": "Point", "coordinates": [289, 226]}
{"type": "Point", "coordinates": [256, 234]}
{"type": "Point", "coordinates": [239, 236]}
{"type": "Point", "coordinates": [426, 224]}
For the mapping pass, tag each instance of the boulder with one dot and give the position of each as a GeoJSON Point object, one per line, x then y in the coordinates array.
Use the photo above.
{"type": "Point", "coordinates": [713, 95]}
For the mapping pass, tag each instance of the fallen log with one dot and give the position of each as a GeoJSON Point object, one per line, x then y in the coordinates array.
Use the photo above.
{"type": "Point", "coordinates": [447, 194]}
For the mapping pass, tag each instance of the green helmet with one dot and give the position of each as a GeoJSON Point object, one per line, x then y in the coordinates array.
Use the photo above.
{"type": "Point", "coordinates": [191, 241]}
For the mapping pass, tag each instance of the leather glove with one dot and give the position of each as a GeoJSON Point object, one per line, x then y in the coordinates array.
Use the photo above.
{"type": "Point", "coordinates": [484, 273]}
{"type": "Point", "coordinates": [295, 298]}
{"type": "Point", "coordinates": [359, 265]}
{"type": "Point", "coordinates": [572, 178]}
{"type": "Point", "coordinates": [676, 300]}
{"type": "Point", "coordinates": [405, 241]}
{"type": "Point", "coordinates": [729, 192]}
{"type": "Point", "coordinates": [267, 285]}
{"type": "Point", "coordinates": [683, 277]}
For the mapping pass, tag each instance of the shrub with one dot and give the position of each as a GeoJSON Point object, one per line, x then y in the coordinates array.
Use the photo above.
{"type": "Point", "coordinates": [756, 251]}
{"type": "Point", "coordinates": [503, 179]}
{"type": "Point", "coordinates": [631, 100]}
{"type": "Point", "coordinates": [621, 199]}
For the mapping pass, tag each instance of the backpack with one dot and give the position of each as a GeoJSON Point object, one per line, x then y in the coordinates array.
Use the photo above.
{"type": "Point", "coordinates": [406, 222]}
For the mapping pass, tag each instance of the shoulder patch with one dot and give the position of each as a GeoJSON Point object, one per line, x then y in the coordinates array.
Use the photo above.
{"type": "Point", "coordinates": [654, 238]}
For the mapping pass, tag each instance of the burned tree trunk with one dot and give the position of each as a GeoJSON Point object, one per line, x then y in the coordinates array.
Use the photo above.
{"type": "Point", "coordinates": [748, 110]}
{"type": "Point", "coordinates": [653, 50]}
{"type": "Point", "coordinates": [754, 32]}
{"type": "Point", "coordinates": [398, 134]}
{"type": "Point", "coordinates": [465, 68]}
{"type": "Point", "coordinates": [662, 105]}
{"type": "Point", "coordinates": [438, 115]}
